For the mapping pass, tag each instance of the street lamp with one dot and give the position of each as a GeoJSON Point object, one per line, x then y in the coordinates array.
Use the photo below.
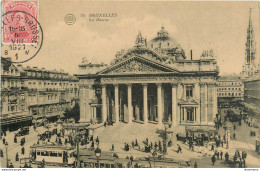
{"type": "Point", "coordinates": [97, 153]}
{"type": "Point", "coordinates": [227, 134]}
{"type": "Point", "coordinates": [6, 147]}
{"type": "Point", "coordinates": [39, 137]}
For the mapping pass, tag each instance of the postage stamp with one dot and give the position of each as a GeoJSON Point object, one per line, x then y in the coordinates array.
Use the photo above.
{"type": "Point", "coordinates": [16, 26]}
{"type": "Point", "coordinates": [22, 34]}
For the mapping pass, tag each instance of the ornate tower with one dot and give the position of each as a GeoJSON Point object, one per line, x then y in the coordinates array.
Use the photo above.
{"type": "Point", "coordinates": [250, 68]}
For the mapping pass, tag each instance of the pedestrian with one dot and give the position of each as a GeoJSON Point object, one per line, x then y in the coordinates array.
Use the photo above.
{"type": "Point", "coordinates": [17, 157]}
{"type": "Point", "coordinates": [226, 157]}
{"type": "Point", "coordinates": [234, 127]}
{"type": "Point", "coordinates": [221, 154]}
{"type": "Point", "coordinates": [155, 145]}
{"type": "Point", "coordinates": [234, 136]}
{"type": "Point", "coordinates": [212, 147]}
{"type": "Point", "coordinates": [1, 153]}
{"type": "Point", "coordinates": [136, 143]}
{"type": "Point", "coordinates": [113, 148]}
{"type": "Point", "coordinates": [213, 159]}
{"type": "Point", "coordinates": [4, 140]}
{"type": "Point", "coordinates": [179, 149]}
{"type": "Point", "coordinates": [97, 140]}
{"type": "Point", "coordinates": [23, 150]}
{"type": "Point", "coordinates": [218, 155]}
{"type": "Point", "coordinates": [15, 139]}
{"type": "Point", "coordinates": [195, 165]}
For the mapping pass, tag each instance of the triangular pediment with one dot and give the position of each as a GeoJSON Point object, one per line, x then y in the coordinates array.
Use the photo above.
{"type": "Point", "coordinates": [136, 65]}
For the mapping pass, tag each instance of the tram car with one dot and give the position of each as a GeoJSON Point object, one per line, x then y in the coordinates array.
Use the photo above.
{"type": "Point", "coordinates": [53, 154]}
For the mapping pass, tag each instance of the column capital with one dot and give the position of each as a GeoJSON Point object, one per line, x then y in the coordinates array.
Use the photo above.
{"type": "Point", "coordinates": [115, 85]}
{"type": "Point", "coordinates": [129, 85]}
{"type": "Point", "coordinates": [159, 84]}
{"type": "Point", "coordinates": [145, 84]}
{"type": "Point", "coordinates": [203, 84]}
{"type": "Point", "coordinates": [103, 85]}
{"type": "Point", "coordinates": [174, 85]}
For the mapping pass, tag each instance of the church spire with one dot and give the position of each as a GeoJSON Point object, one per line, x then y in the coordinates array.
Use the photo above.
{"type": "Point", "coordinates": [250, 43]}
{"type": "Point", "coordinates": [250, 68]}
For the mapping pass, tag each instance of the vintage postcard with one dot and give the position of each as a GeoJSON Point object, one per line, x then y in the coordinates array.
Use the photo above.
{"type": "Point", "coordinates": [130, 84]}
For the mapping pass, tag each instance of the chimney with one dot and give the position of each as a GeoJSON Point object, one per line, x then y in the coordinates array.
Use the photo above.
{"type": "Point", "coordinates": [28, 67]}
{"type": "Point", "coordinates": [190, 54]}
{"type": "Point", "coordinates": [35, 67]}
{"type": "Point", "coordinates": [19, 65]}
{"type": "Point", "coordinates": [43, 68]}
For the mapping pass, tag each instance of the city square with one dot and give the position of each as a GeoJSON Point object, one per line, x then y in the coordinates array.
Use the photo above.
{"type": "Point", "coordinates": [155, 105]}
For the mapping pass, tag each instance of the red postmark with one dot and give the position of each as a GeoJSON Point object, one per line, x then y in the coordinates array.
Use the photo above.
{"type": "Point", "coordinates": [19, 22]}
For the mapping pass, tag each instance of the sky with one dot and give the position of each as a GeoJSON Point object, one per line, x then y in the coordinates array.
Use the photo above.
{"type": "Point", "coordinates": [220, 26]}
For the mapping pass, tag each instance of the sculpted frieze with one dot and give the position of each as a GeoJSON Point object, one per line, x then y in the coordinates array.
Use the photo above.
{"type": "Point", "coordinates": [135, 66]}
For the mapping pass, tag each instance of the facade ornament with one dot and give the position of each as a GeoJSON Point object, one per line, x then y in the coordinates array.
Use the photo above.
{"type": "Point", "coordinates": [135, 66]}
{"type": "Point", "coordinates": [145, 85]}
{"type": "Point", "coordinates": [174, 85]}
{"type": "Point", "coordinates": [208, 53]}
{"type": "Point", "coordinates": [115, 85]}
{"type": "Point", "coordinates": [129, 85]}
{"type": "Point", "coordinates": [140, 41]}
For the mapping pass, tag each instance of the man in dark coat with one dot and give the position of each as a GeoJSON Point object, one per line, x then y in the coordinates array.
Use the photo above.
{"type": "Point", "coordinates": [213, 159]}
{"type": "Point", "coordinates": [221, 154]}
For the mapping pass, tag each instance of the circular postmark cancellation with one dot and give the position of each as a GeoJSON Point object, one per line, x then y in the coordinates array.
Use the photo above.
{"type": "Point", "coordinates": [22, 36]}
{"type": "Point", "coordinates": [70, 19]}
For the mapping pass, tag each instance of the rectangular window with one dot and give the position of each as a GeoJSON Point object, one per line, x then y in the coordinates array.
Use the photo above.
{"type": "Point", "coordinates": [189, 92]}
{"type": "Point", "coordinates": [190, 114]}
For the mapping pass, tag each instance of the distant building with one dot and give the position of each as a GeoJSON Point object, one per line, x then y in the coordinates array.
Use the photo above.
{"type": "Point", "coordinates": [28, 93]}
{"type": "Point", "coordinates": [230, 87]}
{"type": "Point", "coordinates": [252, 94]}
{"type": "Point", "coordinates": [153, 82]}
{"type": "Point", "coordinates": [250, 67]}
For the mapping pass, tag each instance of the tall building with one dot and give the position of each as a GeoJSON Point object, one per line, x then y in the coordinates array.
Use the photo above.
{"type": "Point", "coordinates": [31, 92]}
{"type": "Point", "coordinates": [250, 67]}
{"type": "Point", "coordinates": [153, 82]}
{"type": "Point", "coordinates": [230, 88]}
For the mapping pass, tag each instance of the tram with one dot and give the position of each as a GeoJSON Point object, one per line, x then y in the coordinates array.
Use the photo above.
{"type": "Point", "coordinates": [53, 154]}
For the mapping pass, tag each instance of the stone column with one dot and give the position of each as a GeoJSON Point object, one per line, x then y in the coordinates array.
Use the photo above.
{"type": "Point", "coordinates": [82, 103]}
{"type": "Point", "coordinates": [88, 113]}
{"type": "Point", "coordinates": [116, 103]}
{"type": "Point", "coordinates": [130, 107]}
{"type": "Point", "coordinates": [104, 103]}
{"type": "Point", "coordinates": [159, 103]}
{"type": "Point", "coordinates": [215, 101]}
{"type": "Point", "coordinates": [174, 104]}
{"type": "Point", "coordinates": [198, 97]}
{"type": "Point", "coordinates": [206, 103]}
{"type": "Point", "coordinates": [145, 103]}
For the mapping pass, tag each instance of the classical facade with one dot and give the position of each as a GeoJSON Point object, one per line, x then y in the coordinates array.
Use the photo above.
{"type": "Point", "coordinates": [31, 92]}
{"type": "Point", "coordinates": [153, 82]}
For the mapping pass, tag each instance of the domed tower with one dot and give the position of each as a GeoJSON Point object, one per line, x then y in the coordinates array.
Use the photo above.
{"type": "Point", "coordinates": [167, 46]}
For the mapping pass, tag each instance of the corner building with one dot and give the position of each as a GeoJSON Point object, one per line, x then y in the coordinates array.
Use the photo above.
{"type": "Point", "coordinates": [153, 82]}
